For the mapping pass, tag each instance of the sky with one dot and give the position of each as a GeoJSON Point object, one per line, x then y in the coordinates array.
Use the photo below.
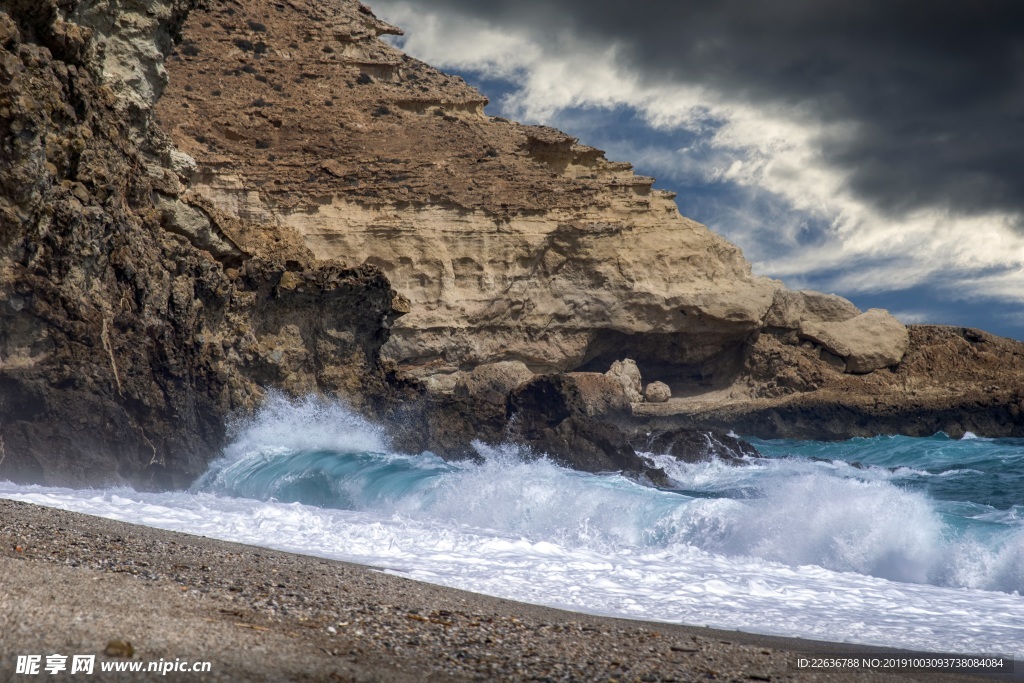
{"type": "Point", "coordinates": [873, 149]}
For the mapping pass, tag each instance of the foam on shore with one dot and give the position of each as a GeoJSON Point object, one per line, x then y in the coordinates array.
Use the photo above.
{"type": "Point", "coordinates": [816, 549]}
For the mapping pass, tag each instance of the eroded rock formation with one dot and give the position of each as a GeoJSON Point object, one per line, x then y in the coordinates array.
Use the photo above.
{"type": "Point", "coordinates": [952, 380]}
{"type": "Point", "coordinates": [512, 242]}
{"type": "Point", "coordinates": [308, 209]}
{"type": "Point", "coordinates": [126, 337]}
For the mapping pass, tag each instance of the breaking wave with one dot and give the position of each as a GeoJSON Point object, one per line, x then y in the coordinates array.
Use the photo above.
{"type": "Point", "coordinates": [913, 542]}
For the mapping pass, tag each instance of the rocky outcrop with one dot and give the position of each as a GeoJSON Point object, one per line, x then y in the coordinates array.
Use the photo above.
{"type": "Point", "coordinates": [601, 395]}
{"type": "Point", "coordinates": [513, 243]}
{"type": "Point", "coordinates": [951, 380]}
{"type": "Point", "coordinates": [869, 341]}
{"type": "Point", "coordinates": [130, 327]}
{"type": "Point", "coordinates": [308, 209]}
{"type": "Point", "coordinates": [514, 250]}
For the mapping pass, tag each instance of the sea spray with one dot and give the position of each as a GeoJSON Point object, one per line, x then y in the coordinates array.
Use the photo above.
{"type": "Point", "coordinates": [791, 510]}
{"type": "Point", "coordinates": [820, 547]}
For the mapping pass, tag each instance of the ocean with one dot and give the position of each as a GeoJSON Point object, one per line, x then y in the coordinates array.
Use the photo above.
{"type": "Point", "coordinates": [904, 542]}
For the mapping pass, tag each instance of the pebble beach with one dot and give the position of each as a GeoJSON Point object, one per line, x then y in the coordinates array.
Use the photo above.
{"type": "Point", "coordinates": [75, 584]}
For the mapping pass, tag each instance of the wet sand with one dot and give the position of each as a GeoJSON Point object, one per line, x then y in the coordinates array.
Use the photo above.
{"type": "Point", "coordinates": [72, 584]}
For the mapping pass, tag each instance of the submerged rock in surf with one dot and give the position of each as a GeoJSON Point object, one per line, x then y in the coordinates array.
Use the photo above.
{"type": "Point", "coordinates": [690, 445]}
{"type": "Point", "coordinates": [559, 415]}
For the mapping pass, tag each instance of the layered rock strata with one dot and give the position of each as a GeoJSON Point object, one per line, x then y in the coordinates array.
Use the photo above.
{"type": "Point", "coordinates": [127, 338]}
{"type": "Point", "coordinates": [513, 243]}
{"type": "Point", "coordinates": [308, 209]}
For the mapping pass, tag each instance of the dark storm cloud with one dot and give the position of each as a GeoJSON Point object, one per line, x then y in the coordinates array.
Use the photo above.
{"type": "Point", "coordinates": [935, 88]}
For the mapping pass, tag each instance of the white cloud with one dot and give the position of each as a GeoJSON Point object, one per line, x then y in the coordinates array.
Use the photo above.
{"type": "Point", "coordinates": [777, 149]}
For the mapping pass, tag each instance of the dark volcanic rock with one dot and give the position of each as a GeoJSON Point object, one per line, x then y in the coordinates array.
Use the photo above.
{"type": "Point", "coordinates": [578, 420]}
{"type": "Point", "coordinates": [550, 415]}
{"type": "Point", "coordinates": [691, 445]}
{"type": "Point", "coordinates": [558, 415]}
{"type": "Point", "coordinates": [125, 344]}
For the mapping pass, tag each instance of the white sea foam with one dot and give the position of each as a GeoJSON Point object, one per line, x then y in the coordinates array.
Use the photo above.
{"type": "Point", "coordinates": [678, 584]}
{"type": "Point", "coordinates": [814, 549]}
{"type": "Point", "coordinates": [285, 424]}
{"type": "Point", "coordinates": [830, 514]}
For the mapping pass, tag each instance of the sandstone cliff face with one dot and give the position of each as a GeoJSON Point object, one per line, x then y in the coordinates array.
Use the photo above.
{"type": "Point", "coordinates": [511, 242]}
{"type": "Point", "coordinates": [519, 249]}
{"type": "Point", "coordinates": [125, 340]}
{"type": "Point", "coordinates": [161, 268]}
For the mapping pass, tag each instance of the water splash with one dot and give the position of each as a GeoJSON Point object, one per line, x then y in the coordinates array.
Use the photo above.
{"type": "Point", "coordinates": [815, 544]}
{"type": "Point", "coordinates": [794, 511]}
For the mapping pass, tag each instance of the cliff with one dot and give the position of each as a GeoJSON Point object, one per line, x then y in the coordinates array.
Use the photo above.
{"type": "Point", "coordinates": [127, 339]}
{"type": "Point", "coordinates": [199, 204]}
{"type": "Point", "coordinates": [512, 242]}
{"type": "Point", "coordinates": [522, 250]}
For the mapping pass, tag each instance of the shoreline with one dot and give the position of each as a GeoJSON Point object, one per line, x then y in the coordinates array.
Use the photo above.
{"type": "Point", "coordinates": [70, 583]}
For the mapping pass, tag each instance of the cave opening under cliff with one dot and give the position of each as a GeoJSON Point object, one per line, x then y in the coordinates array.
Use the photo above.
{"type": "Point", "coordinates": [691, 364]}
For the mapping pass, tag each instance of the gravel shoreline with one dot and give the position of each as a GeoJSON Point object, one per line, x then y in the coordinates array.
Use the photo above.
{"type": "Point", "coordinates": [72, 583]}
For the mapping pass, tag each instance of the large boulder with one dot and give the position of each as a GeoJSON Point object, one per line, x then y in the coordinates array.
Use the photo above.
{"type": "Point", "coordinates": [867, 342]}
{"type": "Point", "coordinates": [789, 309]}
{"type": "Point", "coordinates": [657, 392]}
{"type": "Point", "coordinates": [626, 373]}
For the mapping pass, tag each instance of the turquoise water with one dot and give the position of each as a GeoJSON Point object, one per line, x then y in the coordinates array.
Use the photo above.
{"type": "Point", "coordinates": [984, 472]}
{"type": "Point", "coordinates": [916, 543]}
{"type": "Point", "coordinates": [975, 482]}
{"type": "Point", "coordinates": [923, 510]}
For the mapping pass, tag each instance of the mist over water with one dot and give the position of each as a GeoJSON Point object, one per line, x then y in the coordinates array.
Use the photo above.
{"type": "Point", "coordinates": [918, 542]}
{"type": "Point", "coordinates": [875, 518]}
